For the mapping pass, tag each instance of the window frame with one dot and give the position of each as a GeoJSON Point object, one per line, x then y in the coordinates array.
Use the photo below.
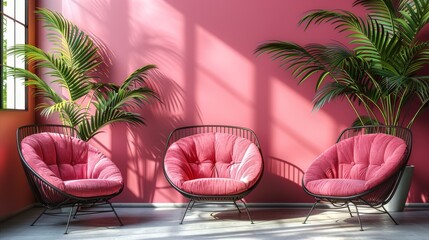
{"type": "Point", "coordinates": [25, 24]}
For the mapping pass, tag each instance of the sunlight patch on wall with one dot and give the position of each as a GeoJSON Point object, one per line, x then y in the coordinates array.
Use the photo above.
{"type": "Point", "coordinates": [298, 138]}
{"type": "Point", "coordinates": [225, 80]}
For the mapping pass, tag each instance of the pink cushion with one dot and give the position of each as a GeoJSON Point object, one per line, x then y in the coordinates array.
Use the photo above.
{"type": "Point", "coordinates": [213, 164]}
{"type": "Point", "coordinates": [72, 165]}
{"type": "Point", "coordinates": [355, 165]}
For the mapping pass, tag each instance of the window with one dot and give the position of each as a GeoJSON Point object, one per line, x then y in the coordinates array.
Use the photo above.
{"type": "Point", "coordinates": [13, 31]}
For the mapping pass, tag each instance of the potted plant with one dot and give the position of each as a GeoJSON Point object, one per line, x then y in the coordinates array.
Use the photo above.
{"type": "Point", "coordinates": [72, 65]}
{"type": "Point", "coordinates": [379, 73]}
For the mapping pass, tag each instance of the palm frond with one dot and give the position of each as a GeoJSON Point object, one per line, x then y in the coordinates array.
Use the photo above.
{"type": "Point", "coordinates": [374, 43]}
{"type": "Point", "coordinates": [125, 99]}
{"type": "Point", "coordinates": [74, 46]}
{"type": "Point", "coordinates": [92, 126]}
{"type": "Point", "coordinates": [41, 87]}
{"type": "Point", "coordinates": [70, 79]}
{"type": "Point", "coordinates": [366, 35]}
{"type": "Point", "coordinates": [304, 60]}
{"type": "Point", "coordinates": [383, 11]}
{"type": "Point", "coordinates": [414, 15]}
{"type": "Point", "coordinates": [406, 62]}
{"type": "Point", "coordinates": [76, 56]}
{"type": "Point", "coordinates": [70, 113]}
{"type": "Point", "coordinates": [328, 93]}
{"type": "Point", "coordinates": [139, 76]}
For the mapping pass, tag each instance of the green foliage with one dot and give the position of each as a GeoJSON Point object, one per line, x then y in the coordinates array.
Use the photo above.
{"type": "Point", "coordinates": [380, 69]}
{"type": "Point", "coordinates": [72, 66]}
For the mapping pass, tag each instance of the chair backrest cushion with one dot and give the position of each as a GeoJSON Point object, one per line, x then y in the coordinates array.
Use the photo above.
{"type": "Point", "coordinates": [370, 157]}
{"type": "Point", "coordinates": [59, 158]}
{"type": "Point", "coordinates": [65, 156]}
{"type": "Point", "coordinates": [213, 155]}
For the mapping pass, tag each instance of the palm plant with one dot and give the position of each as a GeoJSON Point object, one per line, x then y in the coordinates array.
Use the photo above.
{"type": "Point", "coordinates": [72, 66]}
{"type": "Point", "coordinates": [379, 72]}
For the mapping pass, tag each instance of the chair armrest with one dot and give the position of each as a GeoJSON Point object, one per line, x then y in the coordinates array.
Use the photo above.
{"type": "Point", "coordinates": [324, 166]}
{"type": "Point", "coordinates": [101, 167]}
{"type": "Point", "coordinates": [35, 164]}
{"type": "Point", "coordinates": [176, 167]}
{"type": "Point", "coordinates": [251, 166]}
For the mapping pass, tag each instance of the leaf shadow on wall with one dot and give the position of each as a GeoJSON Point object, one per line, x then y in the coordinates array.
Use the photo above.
{"type": "Point", "coordinates": [145, 170]}
{"type": "Point", "coordinates": [284, 180]}
{"type": "Point", "coordinates": [140, 157]}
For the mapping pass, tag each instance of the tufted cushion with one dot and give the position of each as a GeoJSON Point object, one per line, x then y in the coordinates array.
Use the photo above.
{"type": "Point", "coordinates": [355, 165]}
{"type": "Point", "coordinates": [71, 165]}
{"type": "Point", "coordinates": [213, 164]}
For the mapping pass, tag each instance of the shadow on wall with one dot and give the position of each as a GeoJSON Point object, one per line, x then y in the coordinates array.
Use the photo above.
{"type": "Point", "coordinates": [282, 182]}
{"type": "Point", "coordinates": [138, 156]}
{"type": "Point", "coordinates": [144, 168]}
{"type": "Point", "coordinates": [138, 151]}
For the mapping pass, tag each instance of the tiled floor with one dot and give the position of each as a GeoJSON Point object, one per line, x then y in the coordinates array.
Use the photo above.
{"type": "Point", "coordinates": [206, 223]}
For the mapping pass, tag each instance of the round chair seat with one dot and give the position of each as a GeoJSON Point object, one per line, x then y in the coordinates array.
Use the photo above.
{"type": "Point", "coordinates": [336, 187]}
{"type": "Point", "coordinates": [214, 186]}
{"type": "Point", "coordinates": [213, 164]}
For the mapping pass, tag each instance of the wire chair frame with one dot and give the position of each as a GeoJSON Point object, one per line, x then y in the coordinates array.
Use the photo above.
{"type": "Point", "coordinates": [47, 194]}
{"type": "Point", "coordinates": [186, 131]}
{"type": "Point", "coordinates": [380, 195]}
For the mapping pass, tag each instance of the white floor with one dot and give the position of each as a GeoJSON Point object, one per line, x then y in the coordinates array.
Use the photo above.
{"type": "Point", "coordinates": [206, 223]}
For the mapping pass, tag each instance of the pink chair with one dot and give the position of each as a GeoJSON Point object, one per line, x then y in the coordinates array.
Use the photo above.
{"type": "Point", "coordinates": [64, 171]}
{"type": "Point", "coordinates": [213, 163]}
{"type": "Point", "coordinates": [362, 168]}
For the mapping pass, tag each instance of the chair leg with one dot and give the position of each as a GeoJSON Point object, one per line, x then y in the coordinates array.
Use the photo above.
{"type": "Point", "coordinates": [117, 217]}
{"type": "Point", "coordinates": [192, 205]}
{"type": "Point", "coordinates": [350, 212]}
{"type": "Point", "coordinates": [187, 207]}
{"type": "Point", "coordinates": [39, 217]}
{"type": "Point", "coordinates": [357, 213]}
{"type": "Point", "coordinates": [311, 210]}
{"type": "Point", "coordinates": [247, 210]}
{"type": "Point", "coordinates": [78, 207]}
{"type": "Point", "coordinates": [70, 215]}
{"type": "Point", "coordinates": [389, 215]}
{"type": "Point", "coordinates": [235, 203]}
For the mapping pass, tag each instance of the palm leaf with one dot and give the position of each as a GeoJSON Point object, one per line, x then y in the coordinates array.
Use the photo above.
{"type": "Point", "coordinates": [305, 61]}
{"type": "Point", "coordinates": [42, 88]}
{"type": "Point", "coordinates": [76, 55]}
{"type": "Point", "coordinates": [414, 16]}
{"type": "Point", "coordinates": [70, 113]}
{"type": "Point", "coordinates": [383, 11]}
{"type": "Point", "coordinates": [359, 31]}
{"type": "Point", "coordinates": [91, 127]}
{"type": "Point", "coordinates": [139, 76]}
{"type": "Point", "coordinates": [70, 79]}
{"type": "Point", "coordinates": [73, 45]}
{"type": "Point", "coordinates": [328, 93]}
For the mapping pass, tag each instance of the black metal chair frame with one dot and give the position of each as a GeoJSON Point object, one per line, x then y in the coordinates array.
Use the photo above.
{"type": "Point", "coordinates": [40, 186]}
{"type": "Point", "coordinates": [186, 131]}
{"type": "Point", "coordinates": [387, 188]}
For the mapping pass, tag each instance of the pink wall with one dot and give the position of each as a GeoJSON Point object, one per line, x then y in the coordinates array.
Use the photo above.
{"type": "Point", "coordinates": [208, 74]}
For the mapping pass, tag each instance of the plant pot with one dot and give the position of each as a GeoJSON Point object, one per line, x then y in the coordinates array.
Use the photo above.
{"type": "Point", "coordinates": [397, 203]}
